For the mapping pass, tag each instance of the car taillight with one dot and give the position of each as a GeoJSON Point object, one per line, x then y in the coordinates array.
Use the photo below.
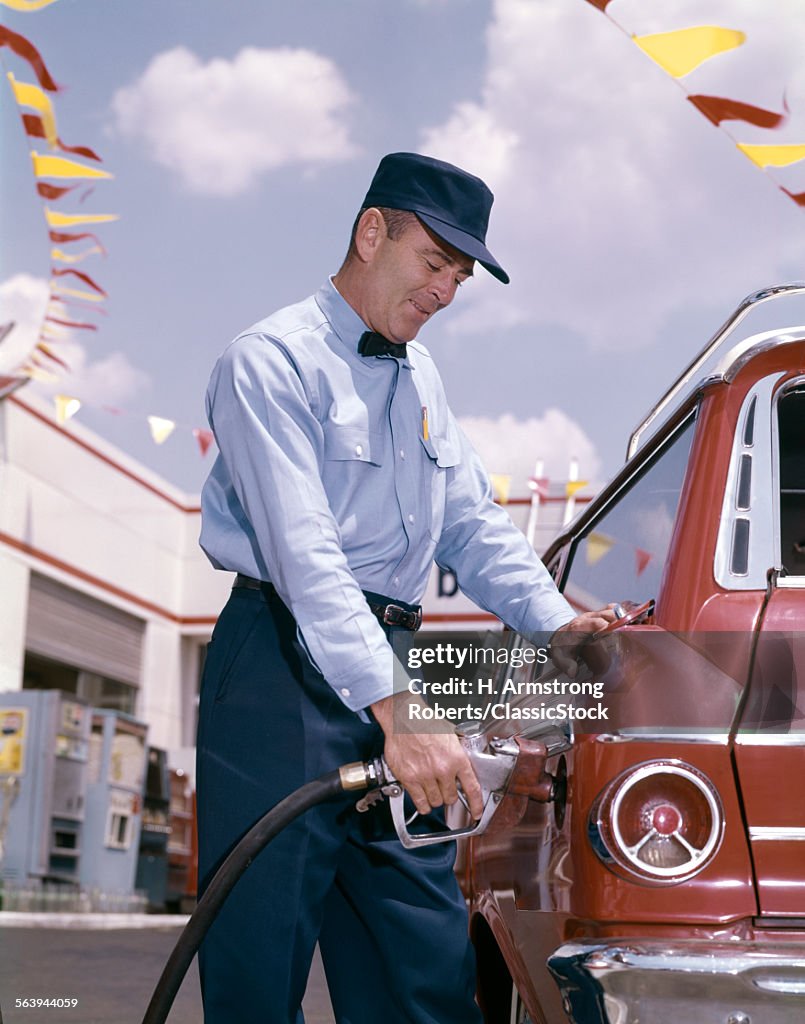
{"type": "Point", "coordinates": [659, 822]}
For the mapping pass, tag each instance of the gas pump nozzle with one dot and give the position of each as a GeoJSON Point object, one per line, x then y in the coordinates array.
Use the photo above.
{"type": "Point", "coordinates": [500, 765]}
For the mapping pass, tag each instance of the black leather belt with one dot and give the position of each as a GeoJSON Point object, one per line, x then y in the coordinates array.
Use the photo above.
{"type": "Point", "coordinates": [387, 612]}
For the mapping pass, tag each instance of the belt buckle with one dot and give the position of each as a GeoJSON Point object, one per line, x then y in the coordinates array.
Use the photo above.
{"type": "Point", "coordinates": [394, 615]}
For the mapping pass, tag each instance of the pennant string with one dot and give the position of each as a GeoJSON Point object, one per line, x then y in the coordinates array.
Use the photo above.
{"type": "Point", "coordinates": [680, 52]}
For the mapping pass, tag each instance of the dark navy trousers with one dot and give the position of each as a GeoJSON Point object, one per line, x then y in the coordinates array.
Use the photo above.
{"type": "Point", "coordinates": [391, 923]}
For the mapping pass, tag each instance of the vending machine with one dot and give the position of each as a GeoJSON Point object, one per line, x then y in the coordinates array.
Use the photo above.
{"type": "Point", "coordinates": [44, 738]}
{"type": "Point", "coordinates": [116, 776]}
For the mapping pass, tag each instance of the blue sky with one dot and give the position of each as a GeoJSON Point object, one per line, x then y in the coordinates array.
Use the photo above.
{"type": "Point", "coordinates": [242, 137]}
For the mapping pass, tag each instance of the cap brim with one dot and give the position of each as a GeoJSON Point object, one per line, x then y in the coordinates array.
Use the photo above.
{"type": "Point", "coordinates": [465, 243]}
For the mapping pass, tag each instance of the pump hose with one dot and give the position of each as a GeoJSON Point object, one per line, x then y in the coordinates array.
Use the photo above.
{"type": "Point", "coordinates": [267, 828]}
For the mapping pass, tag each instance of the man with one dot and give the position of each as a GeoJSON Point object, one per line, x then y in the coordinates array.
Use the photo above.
{"type": "Point", "coordinates": [342, 474]}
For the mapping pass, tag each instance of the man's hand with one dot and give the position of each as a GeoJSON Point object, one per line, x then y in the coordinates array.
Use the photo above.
{"type": "Point", "coordinates": [567, 641]}
{"type": "Point", "coordinates": [425, 762]}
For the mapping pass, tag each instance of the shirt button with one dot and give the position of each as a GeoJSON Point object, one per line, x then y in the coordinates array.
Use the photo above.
{"type": "Point", "coordinates": [345, 692]}
{"type": "Point", "coordinates": [410, 517]}
{"type": "Point", "coordinates": [402, 453]}
{"type": "Point", "coordinates": [359, 449]}
{"type": "Point", "coordinates": [396, 581]}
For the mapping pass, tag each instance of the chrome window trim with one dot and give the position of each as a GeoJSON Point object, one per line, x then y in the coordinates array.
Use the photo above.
{"type": "Point", "coordinates": [687, 382]}
{"type": "Point", "coordinates": [764, 537]}
{"type": "Point", "coordinates": [790, 582]}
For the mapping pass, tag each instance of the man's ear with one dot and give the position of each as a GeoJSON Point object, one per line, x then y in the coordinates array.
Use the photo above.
{"type": "Point", "coordinates": [370, 233]}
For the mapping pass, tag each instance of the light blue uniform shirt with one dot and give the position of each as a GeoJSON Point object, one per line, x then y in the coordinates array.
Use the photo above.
{"type": "Point", "coordinates": [327, 482]}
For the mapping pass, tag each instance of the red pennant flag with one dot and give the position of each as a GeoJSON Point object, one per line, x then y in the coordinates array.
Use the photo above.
{"type": "Point", "coordinates": [53, 191]}
{"type": "Point", "coordinates": [62, 237]}
{"type": "Point", "coordinates": [798, 197]}
{"type": "Point", "coordinates": [642, 558]}
{"type": "Point", "coordinates": [61, 272]}
{"type": "Point", "coordinates": [35, 128]}
{"type": "Point", "coordinates": [600, 4]}
{"type": "Point", "coordinates": [717, 109]}
{"type": "Point", "coordinates": [204, 438]}
{"type": "Point", "coordinates": [42, 347]}
{"type": "Point", "coordinates": [71, 323]}
{"type": "Point", "coordinates": [539, 484]}
{"type": "Point", "coordinates": [20, 45]}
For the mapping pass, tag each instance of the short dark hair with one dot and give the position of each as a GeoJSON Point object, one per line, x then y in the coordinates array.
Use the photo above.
{"type": "Point", "coordinates": [396, 221]}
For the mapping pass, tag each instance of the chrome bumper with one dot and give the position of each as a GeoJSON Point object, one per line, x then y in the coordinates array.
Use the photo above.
{"type": "Point", "coordinates": [656, 982]}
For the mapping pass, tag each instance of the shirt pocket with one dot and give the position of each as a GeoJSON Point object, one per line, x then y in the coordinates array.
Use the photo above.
{"type": "Point", "coordinates": [353, 444]}
{"type": "Point", "coordinates": [443, 454]}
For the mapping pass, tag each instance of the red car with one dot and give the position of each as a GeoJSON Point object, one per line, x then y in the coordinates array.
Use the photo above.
{"type": "Point", "coordinates": [665, 879]}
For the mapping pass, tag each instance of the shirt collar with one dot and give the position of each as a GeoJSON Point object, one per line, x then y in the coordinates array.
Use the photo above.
{"type": "Point", "coordinates": [346, 323]}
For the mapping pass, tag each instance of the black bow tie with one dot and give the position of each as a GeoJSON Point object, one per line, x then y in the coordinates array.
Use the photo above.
{"type": "Point", "coordinates": [373, 344]}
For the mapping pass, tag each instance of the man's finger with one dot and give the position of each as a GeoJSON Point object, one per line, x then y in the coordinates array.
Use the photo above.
{"type": "Point", "coordinates": [417, 794]}
{"type": "Point", "coordinates": [472, 791]}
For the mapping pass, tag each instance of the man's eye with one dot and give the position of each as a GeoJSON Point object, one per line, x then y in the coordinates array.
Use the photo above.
{"type": "Point", "coordinates": [433, 266]}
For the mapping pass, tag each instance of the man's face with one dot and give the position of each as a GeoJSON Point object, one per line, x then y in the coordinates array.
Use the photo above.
{"type": "Point", "coordinates": [412, 277]}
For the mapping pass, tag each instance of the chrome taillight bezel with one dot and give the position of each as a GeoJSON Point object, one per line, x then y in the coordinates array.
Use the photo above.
{"type": "Point", "coordinates": [605, 828]}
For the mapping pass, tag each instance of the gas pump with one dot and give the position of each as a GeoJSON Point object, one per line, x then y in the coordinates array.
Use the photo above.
{"type": "Point", "coordinates": [43, 772]}
{"type": "Point", "coordinates": [117, 761]}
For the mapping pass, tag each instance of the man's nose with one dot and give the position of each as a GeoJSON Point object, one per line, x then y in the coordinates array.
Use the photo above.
{"type": "Point", "coordinates": [444, 287]}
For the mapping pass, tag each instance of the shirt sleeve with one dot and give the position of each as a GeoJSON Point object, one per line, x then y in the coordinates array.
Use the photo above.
{"type": "Point", "coordinates": [493, 562]}
{"type": "Point", "coordinates": [272, 445]}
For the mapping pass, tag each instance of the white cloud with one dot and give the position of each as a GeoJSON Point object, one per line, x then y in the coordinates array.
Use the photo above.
{"type": "Point", "coordinates": [23, 300]}
{"type": "Point", "coordinates": [511, 446]}
{"type": "Point", "coordinates": [222, 124]}
{"type": "Point", "coordinates": [110, 380]}
{"type": "Point", "coordinates": [617, 202]}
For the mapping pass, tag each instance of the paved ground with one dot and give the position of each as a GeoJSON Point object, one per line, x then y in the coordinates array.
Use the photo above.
{"type": "Point", "coordinates": [111, 973]}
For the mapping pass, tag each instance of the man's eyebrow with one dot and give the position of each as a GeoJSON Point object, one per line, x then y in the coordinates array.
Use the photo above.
{"type": "Point", "coordinates": [448, 259]}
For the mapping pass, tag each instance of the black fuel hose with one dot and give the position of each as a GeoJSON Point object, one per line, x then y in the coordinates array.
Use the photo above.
{"type": "Point", "coordinates": [270, 825]}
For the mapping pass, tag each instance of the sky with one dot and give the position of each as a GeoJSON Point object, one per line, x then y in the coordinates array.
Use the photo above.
{"type": "Point", "coordinates": [242, 138]}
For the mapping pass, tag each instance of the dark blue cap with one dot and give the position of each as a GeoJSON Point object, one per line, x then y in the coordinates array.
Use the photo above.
{"type": "Point", "coordinates": [455, 205]}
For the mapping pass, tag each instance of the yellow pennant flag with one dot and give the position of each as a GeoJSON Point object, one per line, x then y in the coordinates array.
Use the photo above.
{"type": "Point", "coordinates": [500, 486]}
{"type": "Point", "coordinates": [682, 51]}
{"type": "Point", "coordinates": [161, 429]}
{"type": "Point", "coordinates": [572, 487]}
{"type": "Point", "coordinates": [55, 332]}
{"type": "Point", "coordinates": [35, 373]}
{"type": "Point", "coordinates": [32, 96]}
{"type": "Point", "coordinates": [61, 167]}
{"type": "Point", "coordinates": [27, 5]}
{"type": "Point", "coordinates": [66, 407]}
{"type": "Point", "coordinates": [75, 293]}
{"type": "Point", "coordinates": [69, 220]}
{"type": "Point", "coordinates": [598, 545]}
{"type": "Point", "coordinates": [773, 156]}
{"type": "Point", "coordinates": [63, 257]}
